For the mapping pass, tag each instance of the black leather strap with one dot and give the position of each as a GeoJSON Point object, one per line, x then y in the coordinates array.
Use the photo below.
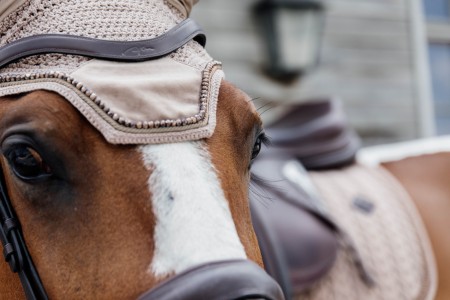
{"type": "Point", "coordinates": [131, 51]}
{"type": "Point", "coordinates": [14, 249]}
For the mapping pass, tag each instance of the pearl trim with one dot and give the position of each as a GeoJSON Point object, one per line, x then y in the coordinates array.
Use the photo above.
{"type": "Point", "coordinates": [200, 116]}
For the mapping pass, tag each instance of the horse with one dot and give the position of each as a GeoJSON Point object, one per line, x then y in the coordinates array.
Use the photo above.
{"type": "Point", "coordinates": [105, 195]}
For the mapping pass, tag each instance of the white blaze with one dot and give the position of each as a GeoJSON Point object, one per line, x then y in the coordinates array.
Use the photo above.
{"type": "Point", "coordinates": [193, 219]}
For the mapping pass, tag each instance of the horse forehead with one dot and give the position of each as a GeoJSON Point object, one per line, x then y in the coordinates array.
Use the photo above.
{"type": "Point", "coordinates": [238, 107]}
{"type": "Point", "coordinates": [41, 111]}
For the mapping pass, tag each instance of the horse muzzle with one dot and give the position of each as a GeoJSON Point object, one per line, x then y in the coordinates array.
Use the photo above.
{"type": "Point", "coordinates": [227, 280]}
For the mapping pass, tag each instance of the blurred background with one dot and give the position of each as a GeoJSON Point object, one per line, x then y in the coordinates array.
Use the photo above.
{"type": "Point", "coordinates": [387, 60]}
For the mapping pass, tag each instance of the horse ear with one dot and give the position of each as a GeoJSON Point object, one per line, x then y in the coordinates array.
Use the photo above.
{"type": "Point", "coordinates": [184, 6]}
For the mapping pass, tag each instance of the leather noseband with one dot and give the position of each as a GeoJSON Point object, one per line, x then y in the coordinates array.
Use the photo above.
{"type": "Point", "coordinates": [227, 280]}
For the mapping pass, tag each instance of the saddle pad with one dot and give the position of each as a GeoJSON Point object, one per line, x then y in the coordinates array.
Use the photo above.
{"type": "Point", "coordinates": [380, 217]}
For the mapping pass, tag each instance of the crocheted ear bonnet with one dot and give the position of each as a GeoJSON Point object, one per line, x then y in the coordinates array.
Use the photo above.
{"type": "Point", "coordinates": [165, 96]}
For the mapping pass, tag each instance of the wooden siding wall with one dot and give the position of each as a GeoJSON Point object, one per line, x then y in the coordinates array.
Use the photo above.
{"type": "Point", "coordinates": [366, 60]}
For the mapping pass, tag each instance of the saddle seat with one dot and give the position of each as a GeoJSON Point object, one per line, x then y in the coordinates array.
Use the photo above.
{"type": "Point", "coordinates": [298, 242]}
{"type": "Point", "coordinates": [316, 133]}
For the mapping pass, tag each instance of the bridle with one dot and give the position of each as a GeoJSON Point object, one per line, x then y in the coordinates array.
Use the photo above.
{"type": "Point", "coordinates": [15, 250]}
{"type": "Point", "coordinates": [252, 282]}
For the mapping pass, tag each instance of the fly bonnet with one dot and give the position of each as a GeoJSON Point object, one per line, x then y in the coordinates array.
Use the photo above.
{"type": "Point", "coordinates": [159, 86]}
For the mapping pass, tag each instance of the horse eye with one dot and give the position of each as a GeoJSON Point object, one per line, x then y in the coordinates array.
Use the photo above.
{"type": "Point", "coordinates": [256, 148]}
{"type": "Point", "coordinates": [26, 163]}
{"type": "Point", "coordinates": [261, 139]}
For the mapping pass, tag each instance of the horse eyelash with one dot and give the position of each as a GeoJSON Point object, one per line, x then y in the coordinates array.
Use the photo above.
{"type": "Point", "coordinates": [265, 139]}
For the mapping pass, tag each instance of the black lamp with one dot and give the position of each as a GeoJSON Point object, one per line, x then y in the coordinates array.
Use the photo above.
{"type": "Point", "coordinates": [292, 31]}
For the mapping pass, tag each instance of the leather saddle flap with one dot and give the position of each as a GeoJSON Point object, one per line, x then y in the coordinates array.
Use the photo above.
{"type": "Point", "coordinates": [298, 246]}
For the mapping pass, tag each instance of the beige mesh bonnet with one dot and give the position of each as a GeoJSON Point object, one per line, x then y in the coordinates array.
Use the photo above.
{"type": "Point", "coordinates": [168, 99]}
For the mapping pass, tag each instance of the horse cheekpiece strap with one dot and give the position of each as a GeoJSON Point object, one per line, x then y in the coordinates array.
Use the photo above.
{"type": "Point", "coordinates": [15, 251]}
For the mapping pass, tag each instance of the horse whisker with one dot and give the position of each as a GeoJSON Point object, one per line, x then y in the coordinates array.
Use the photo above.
{"type": "Point", "coordinates": [267, 110]}
{"type": "Point", "coordinates": [254, 99]}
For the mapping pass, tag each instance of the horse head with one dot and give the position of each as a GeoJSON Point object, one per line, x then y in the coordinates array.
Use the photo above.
{"type": "Point", "coordinates": [115, 194]}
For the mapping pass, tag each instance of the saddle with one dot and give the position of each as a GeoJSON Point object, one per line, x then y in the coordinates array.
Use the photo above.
{"type": "Point", "coordinates": [298, 242]}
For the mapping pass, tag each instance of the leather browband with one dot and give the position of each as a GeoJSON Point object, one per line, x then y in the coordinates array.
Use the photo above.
{"type": "Point", "coordinates": [131, 51]}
